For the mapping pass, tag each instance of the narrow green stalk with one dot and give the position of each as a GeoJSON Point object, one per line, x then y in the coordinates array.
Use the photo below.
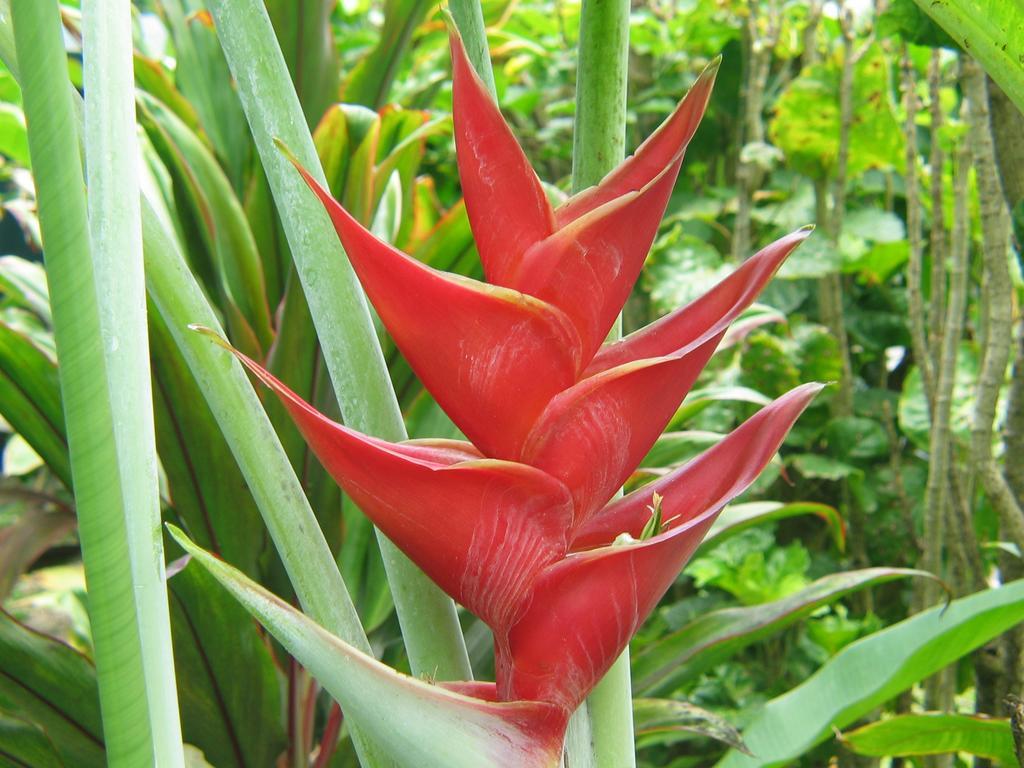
{"type": "Point", "coordinates": [599, 143]}
{"type": "Point", "coordinates": [97, 298]}
{"type": "Point", "coordinates": [427, 616]}
{"type": "Point", "coordinates": [469, 18]}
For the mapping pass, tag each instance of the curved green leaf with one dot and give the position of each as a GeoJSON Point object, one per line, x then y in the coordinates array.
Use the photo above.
{"type": "Point", "coordinates": [30, 400]}
{"type": "Point", "coordinates": [24, 744]}
{"type": "Point", "coordinates": [665, 721]}
{"type": "Point", "coordinates": [935, 733]}
{"type": "Point", "coordinates": [992, 31]}
{"type": "Point", "coordinates": [738, 517]}
{"type": "Point", "coordinates": [714, 637]}
{"type": "Point", "coordinates": [873, 670]}
{"type": "Point", "coordinates": [53, 686]}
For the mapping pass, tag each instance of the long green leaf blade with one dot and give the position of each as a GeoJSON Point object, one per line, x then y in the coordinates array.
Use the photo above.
{"type": "Point", "coordinates": [712, 638]}
{"type": "Point", "coordinates": [872, 670]}
{"type": "Point", "coordinates": [935, 733]}
{"type": "Point", "coordinates": [103, 362]}
{"type": "Point", "coordinates": [992, 31]}
{"type": "Point", "coordinates": [351, 350]}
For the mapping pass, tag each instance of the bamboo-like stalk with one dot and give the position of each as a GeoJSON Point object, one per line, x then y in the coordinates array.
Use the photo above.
{"type": "Point", "coordinates": [94, 266]}
{"type": "Point", "coordinates": [352, 353]}
{"type": "Point", "coordinates": [915, 270]}
{"type": "Point", "coordinates": [936, 162]}
{"type": "Point", "coordinates": [469, 18]}
{"type": "Point", "coordinates": [997, 309]}
{"type": "Point", "coordinates": [599, 144]}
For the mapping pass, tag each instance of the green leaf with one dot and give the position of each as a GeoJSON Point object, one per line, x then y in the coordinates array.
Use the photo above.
{"type": "Point", "coordinates": [992, 31]}
{"type": "Point", "coordinates": [53, 686]}
{"type": "Point", "coordinates": [13, 136]}
{"type": "Point", "coordinates": [873, 670]}
{"type": "Point", "coordinates": [935, 733]}
{"type": "Point", "coordinates": [30, 400]}
{"type": "Point", "coordinates": [806, 121]}
{"type": "Point", "coordinates": [228, 685]}
{"type": "Point", "coordinates": [823, 467]}
{"type": "Point", "coordinates": [738, 517]}
{"type": "Point", "coordinates": [439, 729]}
{"type": "Point", "coordinates": [666, 721]}
{"type": "Point", "coordinates": [304, 32]}
{"type": "Point", "coordinates": [23, 282]}
{"type": "Point", "coordinates": [904, 18]}
{"type": "Point", "coordinates": [709, 640]}
{"type": "Point", "coordinates": [23, 744]}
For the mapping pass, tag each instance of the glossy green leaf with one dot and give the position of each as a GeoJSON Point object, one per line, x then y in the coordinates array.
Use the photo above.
{"type": "Point", "coordinates": [739, 517]}
{"type": "Point", "coordinates": [306, 37]}
{"type": "Point", "coordinates": [935, 733]}
{"type": "Point", "coordinates": [872, 670]}
{"type": "Point", "coordinates": [208, 492]}
{"type": "Point", "coordinates": [30, 400]}
{"type": "Point", "coordinates": [23, 282]}
{"type": "Point", "coordinates": [714, 637]}
{"type": "Point", "coordinates": [439, 729]}
{"type": "Point", "coordinates": [992, 31]}
{"type": "Point", "coordinates": [665, 721]}
{"type": "Point", "coordinates": [227, 682]}
{"type": "Point", "coordinates": [53, 686]}
{"type": "Point", "coordinates": [24, 744]}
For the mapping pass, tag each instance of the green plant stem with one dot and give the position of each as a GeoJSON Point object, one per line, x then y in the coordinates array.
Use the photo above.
{"type": "Point", "coordinates": [351, 351]}
{"type": "Point", "coordinates": [469, 18]}
{"type": "Point", "coordinates": [599, 144]}
{"type": "Point", "coordinates": [104, 366]}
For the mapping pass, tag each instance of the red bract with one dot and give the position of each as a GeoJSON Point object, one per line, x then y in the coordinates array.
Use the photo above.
{"type": "Point", "coordinates": [516, 524]}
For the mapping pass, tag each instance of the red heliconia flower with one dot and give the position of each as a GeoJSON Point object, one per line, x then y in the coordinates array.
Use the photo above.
{"type": "Point", "coordinates": [516, 525]}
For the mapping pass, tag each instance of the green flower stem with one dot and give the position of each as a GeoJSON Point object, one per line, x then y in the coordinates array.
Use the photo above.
{"type": "Point", "coordinates": [427, 616]}
{"type": "Point", "coordinates": [599, 143]}
{"type": "Point", "coordinates": [95, 272]}
{"type": "Point", "coordinates": [469, 18]}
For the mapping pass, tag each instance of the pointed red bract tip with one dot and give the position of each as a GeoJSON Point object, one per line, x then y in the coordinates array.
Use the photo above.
{"type": "Point", "coordinates": [594, 434]}
{"type": "Point", "coordinates": [588, 268]}
{"type": "Point", "coordinates": [722, 304]}
{"type": "Point", "coordinates": [507, 208]}
{"type": "Point", "coordinates": [661, 149]}
{"type": "Point", "coordinates": [710, 480]}
{"type": "Point", "coordinates": [476, 347]}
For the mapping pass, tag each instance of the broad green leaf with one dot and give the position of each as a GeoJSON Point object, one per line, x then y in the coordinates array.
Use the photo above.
{"type": "Point", "coordinates": [13, 137]}
{"type": "Point", "coordinates": [438, 729]}
{"type": "Point", "coordinates": [738, 517]}
{"type": "Point", "coordinates": [227, 682]}
{"type": "Point", "coordinates": [872, 670]}
{"type": "Point", "coordinates": [23, 282]}
{"type": "Point", "coordinates": [665, 721]}
{"type": "Point", "coordinates": [992, 31]}
{"type": "Point", "coordinates": [905, 19]}
{"type": "Point", "coordinates": [824, 467]}
{"type": "Point", "coordinates": [935, 733]}
{"type": "Point", "coordinates": [30, 400]}
{"type": "Point", "coordinates": [699, 399]}
{"type": "Point", "coordinates": [53, 686]}
{"type": "Point", "coordinates": [207, 491]}
{"type": "Point", "coordinates": [679, 657]}
{"type": "Point", "coordinates": [24, 744]}
{"type": "Point", "coordinates": [806, 121]}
